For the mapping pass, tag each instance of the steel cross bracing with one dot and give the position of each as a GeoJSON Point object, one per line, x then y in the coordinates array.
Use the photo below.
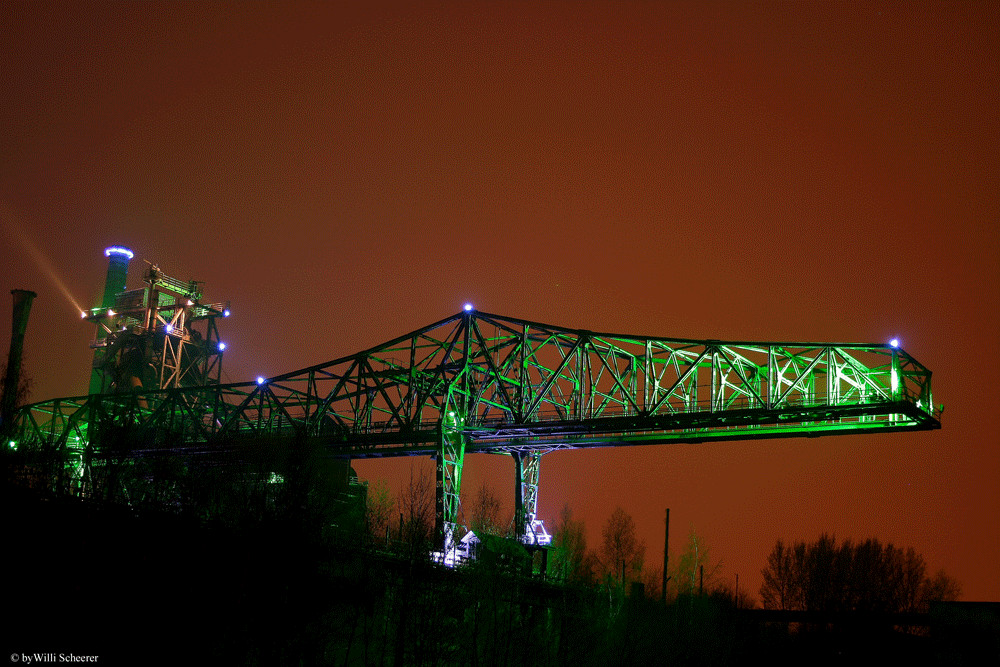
{"type": "Point", "coordinates": [476, 382]}
{"type": "Point", "coordinates": [157, 337]}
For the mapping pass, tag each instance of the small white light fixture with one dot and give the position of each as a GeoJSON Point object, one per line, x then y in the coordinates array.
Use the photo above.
{"type": "Point", "coordinates": [468, 307]}
{"type": "Point", "coordinates": [260, 380]}
{"type": "Point", "coordinates": [222, 346]}
{"type": "Point", "coordinates": [894, 342]}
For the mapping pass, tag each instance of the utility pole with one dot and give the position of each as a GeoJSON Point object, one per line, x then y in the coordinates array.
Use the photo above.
{"type": "Point", "coordinates": [666, 545]}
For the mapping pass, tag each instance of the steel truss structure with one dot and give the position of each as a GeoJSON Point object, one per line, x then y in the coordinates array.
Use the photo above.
{"type": "Point", "coordinates": [157, 337]}
{"type": "Point", "coordinates": [482, 383]}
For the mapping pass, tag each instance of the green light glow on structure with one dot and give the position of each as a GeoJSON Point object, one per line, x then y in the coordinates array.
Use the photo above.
{"type": "Point", "coordinates": [514, 384]}
{"type": "Point", "coordinates": [481, 383]}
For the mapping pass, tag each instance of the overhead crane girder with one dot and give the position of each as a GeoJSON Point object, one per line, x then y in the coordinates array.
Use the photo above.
{"type": "Point", "coordinates": [482, 383]}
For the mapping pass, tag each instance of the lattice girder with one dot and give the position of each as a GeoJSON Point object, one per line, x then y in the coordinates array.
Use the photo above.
{"type": "Point", "coordinates": [545, 387]}
{"type": "Point", "coordinates": [477, 382]}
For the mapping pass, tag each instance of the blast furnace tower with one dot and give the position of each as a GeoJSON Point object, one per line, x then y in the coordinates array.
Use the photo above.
{"type": "Point", "coordinates": [159, 336]}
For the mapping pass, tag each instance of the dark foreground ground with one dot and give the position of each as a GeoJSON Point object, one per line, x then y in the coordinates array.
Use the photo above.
{"type": "Point", "coordinates": [96, 585]}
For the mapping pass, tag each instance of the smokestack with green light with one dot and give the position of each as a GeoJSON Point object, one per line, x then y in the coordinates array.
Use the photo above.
{"type": "Point", "coordinates": [118, 259]}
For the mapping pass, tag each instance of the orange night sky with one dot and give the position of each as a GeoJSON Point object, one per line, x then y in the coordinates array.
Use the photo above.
{"type": "Point", "coordinates": [347, 172]}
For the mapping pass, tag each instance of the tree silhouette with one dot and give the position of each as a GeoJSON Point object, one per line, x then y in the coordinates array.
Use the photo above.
{"type": "Point", "coordinates": [378, 513]}
{"type": "Point", "coordinates": [487, 513]}
{"type": "Point", "coordinates": [569, 558]}
{"type": "Point", "coordinates": [778, 588]}
{"type": "Point", "coordinates": [863, 577]}
{"type": "Point", "coordinates": [416, 514]}
{"type": "Point", "coordinates": [694, 570]}
{"type": "Point", "coordinates": [621, 550]}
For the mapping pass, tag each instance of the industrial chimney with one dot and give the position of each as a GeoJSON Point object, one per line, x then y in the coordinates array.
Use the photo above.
{"type": "Point", "coordinates": [12, 378]}
{"type": "Point", "coordinates": [118, 259]}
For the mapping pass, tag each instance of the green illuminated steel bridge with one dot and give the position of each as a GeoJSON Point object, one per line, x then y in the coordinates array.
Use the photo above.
{"type": "Point", "coordinates": [482, 383]}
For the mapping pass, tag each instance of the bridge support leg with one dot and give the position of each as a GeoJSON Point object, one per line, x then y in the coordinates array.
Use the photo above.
{"type": "Point", "coordinates": [449, 482]}
{"type": "Point", "coordinates": [526, 467]}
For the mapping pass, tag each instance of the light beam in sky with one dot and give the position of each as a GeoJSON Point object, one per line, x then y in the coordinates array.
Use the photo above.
{"type": "Point", "coordinates": [18, 234]}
